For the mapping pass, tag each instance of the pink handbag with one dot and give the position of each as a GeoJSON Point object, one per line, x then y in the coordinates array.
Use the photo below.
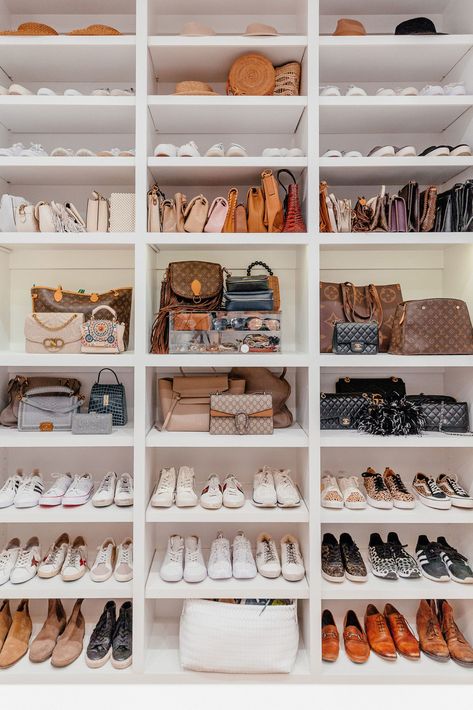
{"type": "Point", "coordinates": [217, 214]}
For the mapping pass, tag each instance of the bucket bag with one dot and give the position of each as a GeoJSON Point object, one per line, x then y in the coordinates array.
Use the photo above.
{"type": "Point", "coordinates": [48, 408]}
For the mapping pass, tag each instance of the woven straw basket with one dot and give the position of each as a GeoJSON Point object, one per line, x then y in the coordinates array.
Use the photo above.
{"type": "Point", "coordinates": [251, 75]}
{"type": "Point", "coordinates": [194, 88]}
{"type": "Point", "coordinates": [31, 29]}
{"type": "Point", "coordinates": [288, 79]}
{"type": "Point", "coordinates": [95, 30]}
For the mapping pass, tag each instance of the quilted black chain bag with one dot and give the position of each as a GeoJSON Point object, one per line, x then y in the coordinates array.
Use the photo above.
{"type": "Point", "coordinates": [442, 413]}
{"type": "Point", "coordinates": [109, 399]}
{"type": "Point", "coordinates": [341, 411]}
{"type": "Point", "coordinates": [355, 338]}
{"type": "Point", "coordinates": [386, 387]}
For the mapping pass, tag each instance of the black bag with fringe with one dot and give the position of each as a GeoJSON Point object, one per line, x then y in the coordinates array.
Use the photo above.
{"type": "Point", "coordinates": [396, 416]}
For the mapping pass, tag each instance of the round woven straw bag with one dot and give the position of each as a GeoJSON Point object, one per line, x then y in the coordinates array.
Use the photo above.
{"type": "Point", "coordinates": [251, 75]}
{"type": "Point", "coordinates": [31, 29]}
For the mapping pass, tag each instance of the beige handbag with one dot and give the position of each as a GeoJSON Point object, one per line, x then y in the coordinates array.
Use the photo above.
{"type": "Point", "coordinates": [45, 217]}
{"type": "Point", "coordinates": [53, 332]}
{"type": "Point", "coordinates": [168, 216]}
{"type": "Point", "coordinates": [122, 212]}
{"type": "Point", "coordinates": [180, 201]}
{"type": "Point", "coordinates": [155, 199]}
{"type": "Point", "coordinates": [102, 336]}
{"type": "Point", "coordinates": [25, 218]}
{"type": "Point", "coordinates": [195, 214]}
{"type": "Point", "coordinates": [241, 414]}
{"type": "Point", "coordinates": [185, 399]}
{"type": "Point", "coordinates": [98, 212]}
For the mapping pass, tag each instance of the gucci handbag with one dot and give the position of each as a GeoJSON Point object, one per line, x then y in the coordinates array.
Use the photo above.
{"type": "Point", "coordinates": [48, 408]}
{"type": "Point", "coordinates": [433, 326]}
{"type": "Point", "coordinates": [102, 336]}
{"type": "Point", "coordinates": [355, 338]}
{"type": "Point", "coordinates": [53, 332]}
{"type": "Point", "coordinates": [341, 411]}
{"type": "Point", "coordinates": [122, 212]}
{"type": "Point", "coordinates": [442, 413]}
{"type": "Point", "coordinates": [109, 399]}
{"type": "Point", "coordinates": [241, 414]}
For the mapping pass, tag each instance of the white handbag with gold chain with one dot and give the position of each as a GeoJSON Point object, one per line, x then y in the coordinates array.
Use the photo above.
{"type": "Point", "coordinates": [53, 332]}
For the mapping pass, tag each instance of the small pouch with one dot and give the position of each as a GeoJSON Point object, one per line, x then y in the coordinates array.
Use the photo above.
{"type": "Point", "coordinates": [195, 214]}
{"type": "Point", "coordinates": [355, 338]}
{"type": "Point", "coordinates": [93, 423]}
{"type": "Point", "coordinates": [191, 321]}
{"type": "Point", "coordinates": [229, 225]}
{"type": "Point", "coordinates": [273, 282]}
{"type": "Point", "coordinates": [98, 213]}
{"type": "Point", "coordinates": [217, 215]}
{"type": "Point", "coordinates": [253, 283]}
{"type": "Point", "coordinates": [249, 301]}
{"type": "Point", "coordinates": [102, 336]}
{"type": "Point", "coordinates": [241, 414]}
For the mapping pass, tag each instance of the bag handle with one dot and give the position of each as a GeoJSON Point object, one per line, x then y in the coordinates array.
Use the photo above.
{"type": "Point", "coordinates": [279, 173]}
{"type": "Point", "coordinates": [348, 289]}
{"type": "Point", "coordinates": [259, 263]}
{"type": "Point", "coordinates": [66, 410]}
{"type": "Point", "coordinates": [110, 370]}
{"type": "Point", "coordinates": [104, 308]}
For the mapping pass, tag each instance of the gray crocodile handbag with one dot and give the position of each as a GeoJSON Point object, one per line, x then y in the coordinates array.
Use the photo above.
{"type": "Point", "coordinates": [48, 409]}
{"type": "Point", "coordinates": [109, 399]}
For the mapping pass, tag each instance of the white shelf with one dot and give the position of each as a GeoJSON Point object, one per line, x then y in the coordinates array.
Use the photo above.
{"type": "Point", "coordinates": [257, 588]}
{"type": "Point", "coordinates": [77, 514]}
{"type": "Point", "coordinates": [247, 514]}
{"type": "Point", "coordinates": [394, 362]}
{"type": "Point", "coordinates": [12, 438]}
{"type": "Point", "coordinates": [385, 240]}
{"type": "Point", "coordinates": [81, 240]}
{"type": "Point", "coordinates": [391, 171]}
{"type": "Point", "coordinates": [228, 240]}
{"type": "Point", "coordinates": [233, 360]}
{"type": "Point", "coordinates": [226, 114]}
{"type": "Point", "coordinates": [55, 588]}
{"type": "Point", "coordinates": [71, 360]}
{"type": "Point", "coordinates": [293, 437]}
{"type": "Point", "coordinates": [428, 440]}
{"type": "Point", "coordinates": [219, 171]}
{"type": "Point", "coordinates": [70, 171]}
{"type": "Point", "coordinates": [420, 515]}
{"type": "Point", "coordinates": [376, 588]}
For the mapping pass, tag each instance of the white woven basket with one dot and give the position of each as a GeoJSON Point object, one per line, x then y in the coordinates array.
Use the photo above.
{"type": "Point", "coordinates": [231, 638]}
{"type": "Point", "coordinates": [122, 212]}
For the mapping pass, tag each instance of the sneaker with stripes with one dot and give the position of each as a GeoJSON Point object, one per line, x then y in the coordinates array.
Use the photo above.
{"type": "Point", "coordinates": [456, 563]}
{"type": "Point", "coordinates": [30, 491]}
{"type": "Point", "coordinates": [9, 489]}
{"type": "Point", "coordinates": [430, 560]}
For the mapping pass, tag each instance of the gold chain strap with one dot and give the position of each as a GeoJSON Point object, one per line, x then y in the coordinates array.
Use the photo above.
{"type": "Point", "coordinates": [53, 328]}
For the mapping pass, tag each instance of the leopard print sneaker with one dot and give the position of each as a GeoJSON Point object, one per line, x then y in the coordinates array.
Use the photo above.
{"type": "Point", "coordinates": [355, 568]}
{"type": "Point", "coordinates": [406, 565]}
{"type": "Point", "coordinates": [382, 560]}
{"type": "Point", "coordinates": [330, 494]}
{"type": "Point", "coordinates": [332, 565]}
{"type": "Point", "coordinates": [399, 493]}
{"type": "Point", "coordinates": [377, 492]}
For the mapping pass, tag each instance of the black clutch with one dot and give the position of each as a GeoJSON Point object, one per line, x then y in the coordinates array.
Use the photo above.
{"type": "Point", "coordinates": [386, 387]}
{"type": "Point", "coordinates": [355, 338]}
{"type": "Point", "coordinates": [442, 413]}
{"type": "Point", "coordinates": [341, 411]}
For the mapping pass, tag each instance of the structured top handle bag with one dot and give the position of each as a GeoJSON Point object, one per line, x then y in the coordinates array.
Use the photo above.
{"type": "Point", "coordinates": [109, 398]}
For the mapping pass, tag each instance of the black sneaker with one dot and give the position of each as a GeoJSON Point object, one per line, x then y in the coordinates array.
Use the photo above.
{"type": "Point", "coordinates": [355, 568]}
{"type": "Point", "coordinates": [456, 564]}
{"type": "Point", "coordinates": [407, 567]}
{"type": "Point", "coordinates": [382, 560]}
{"type": "Point", "coordinates": [100, 644]}
{"type": "Point", "coordinates": [430, 560]}
{"type": "Point", "coordinates": [123, 637]}
{"type": "Point", "coordinates": [332, 565]}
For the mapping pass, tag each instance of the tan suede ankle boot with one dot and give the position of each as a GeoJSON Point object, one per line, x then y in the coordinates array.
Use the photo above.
{"type": "Point", "coordinates": [44, 643]}
{"type": "Point", "coordinates": [16, 644]}
{"type": "Point", "coordinates": [70, 643]}
{"type": "Point", "coordinates": [5, 621]}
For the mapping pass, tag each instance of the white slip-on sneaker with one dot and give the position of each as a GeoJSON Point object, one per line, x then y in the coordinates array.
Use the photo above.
{"type": "Point", "coordinates": [80, 490]}
{"type": "Point", "coordinates": [61, 152]}
{"type": "Point", "coordinates": [267, 558]}
{"type": "Point", "coordinates": [329, 91]}
{"type": "Point", "coordinates": [462, 150]}
{"type": "Point", "coordinates": [165, 150]}
{"type": "Point", "coordinates": [385, 92]}
{"type": "Point", "coordinates": [123, 571]}
{"type": "Point", "coordinates": [436, 151]}
{"type": "Point", "coordinates": [102, 569]}
{"type": "Point", "coordinates": [54, 560]}
{"type": "Point", "coordinates": [29, 493]}
{"type": "Point", "coordinates": [332, 153]}
{"type": "Point", "coordinates": [8, 558]}
{"type": "Point", "coordinates": [85, 153]}
{"type": "Point", "coordinates": [35, 150]}
{"type": "Point", "coordinates": [233, 495]}
{"type": "Point", "coordinates": [100, 92]}
{"type": "Point", "coordinates": [13, 152]}
{"type": "Point", "coordinates": [26, 565]}
{"type": "Point", "coordinates": [105, 493]}
{"type": "Point", "coordinates": [124, 491]}
{"type": "Point", "coordinates": [72, 92]}
{"type": "Point", "coordinates": [264, 491]}
{"type": "Point", "coordinates": [44, 91]}
{"type": "Point", "coordinates": [407, 91]}
{"type": "Point", "coordinates": [353, 498]}
{"type": "Point", "coordinates": [164, 492]}
{"type": "Point", "coordinates": [286, 490]}
{"type": "Point", "coordinates": [19, 90]}
{"type": "Point", "coordinates": [355, 91]}
{"type": "Point", "coordinates": [172, 568]}
{"type": "Point", "coordinates": [9, 489]}
{"type": "Point", "coordinates": [295, 153]}
{"type": "Point", "coordinates": [194, 564]}
{"type": "Point", "coordinates": [235, 150]}
{"type": "Point", "coordinates": [330, 493]}
{"type": "Point", "coordinates": [351, 154]}
{"type": "Point", "coordinates": [188, 150]}
{"type": "Point", "coordinates": [407, 151]}
{"type": "Point", "coordinates": [122, 92]}
{"type": "Point", "coordinates": [382, 151]}
{"type": "Point", "coordinates": [244, 566]}
{"type": "Point", "coordinates": [455, 89]}
{"type": "Point", "coordinates": [432, 90]}
{"type": "Point", "coordinates": [217, 150]}
{"type": "Point", "coordinates": [75, 564]}
{"type": "Point", "coordinates": [212, 495]}
{"type": "Point", "coordinates": [186, 497]}
{"type": "Point", "coordinates": [271, 153]}
{"type": "Point", "coordinates": [292, 564]}
{"type": "Point", "coordinates": [220, 563]}
{"type": "Point", "coordinates": [57, 490]}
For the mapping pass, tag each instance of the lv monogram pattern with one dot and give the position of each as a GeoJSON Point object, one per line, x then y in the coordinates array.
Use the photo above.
{"type": "Point", "coordinates": [183, 273]}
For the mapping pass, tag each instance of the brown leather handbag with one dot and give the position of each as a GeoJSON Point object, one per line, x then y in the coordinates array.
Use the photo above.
{"type": "Point", "coordinates": [187, 286]}
{"type": "Point", "coordinates": [260, 379]}
{"type": "Point", "coordinates": [232, 199]}
{"type": "Point", "coordinates": [346, 303]}
{"type": "Point", "coordinates": [241, 225]}
{"type": "Point", "coordinates": [362, 216]}
{"type": "Point", "coordinates": [57, 300]}
{"type": "Point", "coordinates": [255, 210]}
{"type": "Point", "coordinates": [293, 220]}
{"type": "Point", "coordinates": [325, 225]}
{"type": "Point", "coordinates": [380, 207]}
{"type": "Point", "coordinates": [428, 208]}
{"type": "Point", "coordinates": [273, 208]}
{"type": "Point", "coordinates": [433, 326]}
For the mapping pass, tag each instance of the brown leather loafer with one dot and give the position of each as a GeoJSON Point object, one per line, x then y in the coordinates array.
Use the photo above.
{"type": "Point", "coordinates": [43, 645]}
{"type": "Point", "coordinates": [16, 644]}
{"type": "Point", "coordinates": [357, 647]}
{"type": "Point", "coordinates": [330, 638]}
{"type": "Point", "coordinates": [430, 635]}
{"type": "Point", "coordinates": [404, 640]}
{"type": "Point", "coordinates": [378, 634]}
{"type": "Point", "coordinates": [460, 650]}
{"type": "Point", "coordinates": [5, 621]}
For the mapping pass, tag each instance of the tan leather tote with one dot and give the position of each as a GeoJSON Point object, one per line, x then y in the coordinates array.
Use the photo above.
{"type": "Point", "coordinates": [255, 210]}
{"type": "Point", "coordinates": [195, 214]}
{"type": "Point", "coordinates": [273, 208]}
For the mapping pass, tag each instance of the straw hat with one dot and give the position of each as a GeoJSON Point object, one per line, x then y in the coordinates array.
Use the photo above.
{"type": "Point", "coordinates": [194, 88]}
{"type": "Point", "coordinates": [31, 29]}
{"type": "Point", "coordinates": [349, 28]}
{"type": "Point", "coordinates": [95, 30]}
{"type": "Point", "coordinates": [196, 29]}
{"type": "Point", "coordinates": [258, 29]}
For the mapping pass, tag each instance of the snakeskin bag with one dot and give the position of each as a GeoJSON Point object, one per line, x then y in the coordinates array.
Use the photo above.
{"type": "Point", "coordinates": [241, 413]}
{"type": "Point", "coordinates": [109, 399]}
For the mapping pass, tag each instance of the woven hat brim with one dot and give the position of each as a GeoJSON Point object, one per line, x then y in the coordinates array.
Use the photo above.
{"type": "Point", "coordinates": [95, 30]}
{"type": "Point", "coordinates": [195, 93]}
{"type": "Point", "coordinates": [261, 34]}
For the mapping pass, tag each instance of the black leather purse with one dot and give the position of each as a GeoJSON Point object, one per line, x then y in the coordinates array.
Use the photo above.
{"type": "Point", "coordinates": [341, 411]}
{"type": "Point", "coordinates": [455, 209]}
{"type": "Point", "coordinates": [442, 413]}
{"type": "Point", "coordinates": [355, 338]}
{"type": "Point", "coordinates": [109, 399]}
{"type": "Point", "coordinates": [386, 387]}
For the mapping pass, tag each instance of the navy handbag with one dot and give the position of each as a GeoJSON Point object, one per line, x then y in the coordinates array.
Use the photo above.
{"type": "Point", "coordinates": [109, 399]}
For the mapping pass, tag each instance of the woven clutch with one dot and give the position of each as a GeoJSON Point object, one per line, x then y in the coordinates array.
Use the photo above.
{"type": "Point", "coordinates": [122, 212]}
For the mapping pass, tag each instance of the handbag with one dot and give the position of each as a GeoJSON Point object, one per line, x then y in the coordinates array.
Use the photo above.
{"type": "Point", "coordinates": [229, 224]}
{"type": "Point", "coordinates": [217, 215]}
{"type": "Point", "coordinates": [48, 300]}
{"type": "Point", "coordinates": [48, 408]}
{"type": "Point", "coordinates": [434, 326]}
{"type": "Point", "coordinates": [273, 282]}
{"type": "Point", "coordinates": [387, 387]}
{"type": "Point", "coordinates": [241, 225]}
{"type": "Point", "coordinates": [185, 399]}
{"type": "Point", "coordinates": [261, 379]}
{"type": "Point", "coordinates": [25, 218]}
{"type": "Point", "coordinates": [195, 214]}
{"type": "Point", "coordinates": [455, 209]}
{"type": "Point", "coordinates": [155, 200]}
{"type": "Point", "coordinates": [325, 223]}
{"type": "Point", "coordinates": [255, 210]}
{"type": "Point", "coordinates": [428, 208]}
{"type": "Point", "coordinates": [243, 284]}
{"type": "Point", "coordinates": [293, 220]}
{"type": "Point", "coordinates": [53, 332]}
{"type": "Point", "coordinates": [251, 75]}
{"type": "Point", "coordinates": [380, 208]}
{"type": "Point", "coordinates": [344, 215]}
{"type": "Point", "coordinates": [109, 399]}
{"type": "Point", "coordinates": [249, 301]}
{"type": "Point", "coordinates": [20, 385]}
{"type": "Point", "coordinates": [362, 216]}
{"type": "Point", "coordinates": [102, 336]}
{"type": "Point", "coordinates": [273, 208]}
{"type": "Point", "coordinates": [397, 214]}
{"type": "Point", "coordinates": [98, 213]}
{"type": "Point", "coordinates": [341, 411]}
{"type": "Point", "coordinates": [241, 414]}
{"type": "Point", "coordinates": [122, 212]}
{"type": "Point", "coordinates": [355, 338]}
{"type": "Point", "coordinates": [442, 413]}
{"type": "Point", "coordinates": [410, 195]}
{"type": "Point", "coordinates": [93, 423]}
{"type": "Point", "coordinates": [46, 218]}
{"type": "Point", "coordinates": [8, 205]}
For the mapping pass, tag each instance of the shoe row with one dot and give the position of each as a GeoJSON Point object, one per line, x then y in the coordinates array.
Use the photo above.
{"type": "Point", "coordinates": [36, 150]}
{"type": "Point", "coordinates": [184, 559]}
{"type": "Point", "coordinates": [388, 634]}
{"type": "Point", "coordinates": [19, 90]}
{"type": "Point", "coordinates": [20, 563]}
{"type": "Point", "coordinates": [456, 88]}
{"type": "Point", "coordinates": [217, 150]}
{"type": "Point", "coordinates": [407, 151]}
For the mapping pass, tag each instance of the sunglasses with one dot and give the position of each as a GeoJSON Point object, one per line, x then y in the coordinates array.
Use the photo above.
{"type": "Point", "coordinates": [250, 323]}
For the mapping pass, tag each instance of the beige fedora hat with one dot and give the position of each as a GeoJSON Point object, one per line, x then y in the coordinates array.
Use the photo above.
{"type": "Point", "coordinates": [349, 28]}
{"type": "Point", "coordinates": [196, 29]}
{"type": "Point", "coordinates": [194, 88]}
{"type": "Point", "coordinates": [258, 29]}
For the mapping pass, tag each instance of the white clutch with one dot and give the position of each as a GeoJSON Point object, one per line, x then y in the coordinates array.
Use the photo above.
{"type": "Point", "coordinates": [53, 332]}
{"type": "Point", "coordinates": [122, 212]}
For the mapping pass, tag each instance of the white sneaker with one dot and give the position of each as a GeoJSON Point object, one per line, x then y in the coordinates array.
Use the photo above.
{"type": "Point", "coordinates": [122, 92]}
{"type": "Point", "coordinates": [13, 152]}
{"type": "Point", "coordinates": [382, 151]}
{"type": "Point", "coordinates": [54, 560]}
{"type": "Point", "coordinates": [45, 91]}
{"type": "Point", "coordinates": [220, 563]}
{"type": "Point", "coordinates": [105, 493]}
{"type": "Point", "coordinates": [295, 153]}
{"type": "Point", "coordinates": [3, 90]}
{"type": "Point", "coordinates": [292, 562]}
{"type": "Point", "coordinates": [286, 490]}
{"type": "Point", "coordinates": [353, 498]}
{"type": "Point", "coordinates": [194, 564]}
{"type": "Point", "coordinates": [235, 150]}
{"type": "Point", "coordinates": [100, 92]}
{"type": "Point", "coordinates": [332, 153]}
{"type": "Point", "coordinates": [19, 90]}
{"type": "Point", "coordinates": [355, 91]}
{"type": "Point", "coordinates": [186, 496]}
{"type": "Point", "coordinates": [102, 569]}
{"type": "Point", "coordinates": [75, 564]}
{"type": "Point", "coordinates": [188, 150]}
{"type": "Point", "coordinates": [267, 558]}
{"type": "Point", "coordinates": [26, 565]}
{"type": "Point", "coordinates": [385, 92]}
{"type": "Point", "coordinates": [407, 91]}
{"type": "Point", "coordinates": [351, 154]}
{"type": "Point", "coordinates": [56, 491]}
{"type": "Point", "coordinates": [172, 568]}
{"type": "Point", "coordinates": [455, 89]}
{"type": "Point", "coordinates": [264, 492]}
{"type": "Point", "coordinates": [329, 91]}
{"type": "Point", "coordinates": [8, 558]}
{"type": "Point", "coordinates": [124, 491]}
{"type": "Point", "coordinates": [244, 566]}
{"type": "Point", "coordinates": [271, 153]}
{"type": "Point", "coordinates": [72, 92]}
{"type": "Point", "coordinates": [217, 150]}
{"type": "Point", "coordinates": [35, 150]}
{"type": "Point", "coordinates": [330, 494]}
{"type": "Point", "coordinates": [233, 495]}
{"type": "Point", "coordinates": [9, 489]}
{"type": "Point", "coordinates": [212, 495]}
{"type": "Point", "coordinates": [432, 90]}
{"type": "Point", "coordinates": [165, 150]}
{"type": "Point", "coordinates": [29, 493]}
{"type": "Point", "coordinates": [80, 490]}
{"type": "Point", "coordinates": [163, 496]}
{"type": "Point", "coordinates": [407, 151]}
{"type": "Point", "coordinates": [123, 571]}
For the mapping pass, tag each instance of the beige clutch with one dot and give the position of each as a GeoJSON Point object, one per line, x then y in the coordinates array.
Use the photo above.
{"type": "Point", "coordinates": [53, 332]}
{"type": "Point", "coordinates": [122, 212]}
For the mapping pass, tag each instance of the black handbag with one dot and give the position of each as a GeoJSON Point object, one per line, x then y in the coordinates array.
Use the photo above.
{"type": "Point", "coordinates": [341, 411]}
{"type": "Point", "coordinates": [238, 284]}
{"type": "Point", "coordinates": [386, 387]}
{"type": "Point", "coordinates": [455, 209]}
{"type": "Point", "coordinates": [355, 338]}
{"type": "Point", "coordinates": [442, 413]}
{"type": "Point", "coordinates": [109, 399]}
{"type": "Point", "coordinates": [249, 301]}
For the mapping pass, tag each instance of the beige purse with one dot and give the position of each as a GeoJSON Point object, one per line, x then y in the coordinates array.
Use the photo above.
{"type": "Point", "coordinates": [122, 212]}
{"type": "Point", "coordinates": [25, 218]}
{"type": "Point", "coordinates": [45, 217]}
{"type": "Point", "coordinates": [195, 214]}
{"type": "Point", "coordinates": [53, 332]}
{"type": "Point", "coordinates": [168, 216]}
{"type": "Point", "coordinates": [181, 204]}
{"type": "Point", "coordinates": [98, 212]}
{"type": "Point", "coordinates": [155, 199]}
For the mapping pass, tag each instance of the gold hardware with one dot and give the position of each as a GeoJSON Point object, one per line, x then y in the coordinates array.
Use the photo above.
{"type": "Point", "coordinates": [106, 400]}
{"type": "Point", "coordinates": [345, 421]}
{"type": "Point", "coordinates": [53, 344]}
{"type": "Point", "coordinates": [46, 426]}
{"type": "Point", "coordinates": [58, 294]}
{"type": "Point", "coordinates": [94, 297]}
{"type": "Point", "coordinates": [52, 328]}
{"type": "Point", "coordinates": [346, 379]}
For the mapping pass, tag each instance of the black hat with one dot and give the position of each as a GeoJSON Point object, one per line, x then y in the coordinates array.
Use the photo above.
{"type": "Point", "coordinates": [417, 26]}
